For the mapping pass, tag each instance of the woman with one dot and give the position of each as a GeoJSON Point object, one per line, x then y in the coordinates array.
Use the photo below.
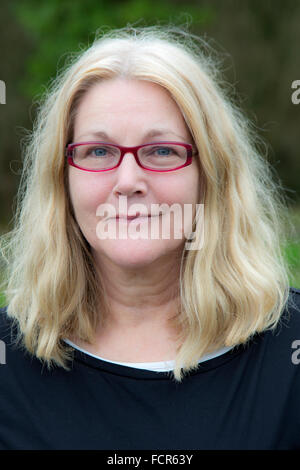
{"type": "Point", "coordinates": [117, 339]}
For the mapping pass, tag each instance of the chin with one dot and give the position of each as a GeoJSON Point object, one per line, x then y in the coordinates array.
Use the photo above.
{"type": "Point", "coordinates": [136, 253]}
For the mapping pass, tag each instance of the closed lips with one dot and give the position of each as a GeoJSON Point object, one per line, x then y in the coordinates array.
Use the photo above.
{"type": "Point", "coordinates": [131, 217]}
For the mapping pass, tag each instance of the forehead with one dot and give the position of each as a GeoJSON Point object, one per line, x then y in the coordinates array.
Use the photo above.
{"type": "Point", "coordinates": [126, 102]}
{"type": "Point", "coordinates": [124, 90]}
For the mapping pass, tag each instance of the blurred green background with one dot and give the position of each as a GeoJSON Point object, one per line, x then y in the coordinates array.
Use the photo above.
{"type": "Point", "coordinates": [259, 40]}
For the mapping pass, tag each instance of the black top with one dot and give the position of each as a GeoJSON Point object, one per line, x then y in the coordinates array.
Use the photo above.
{"type": "Point", "coordinates": [247, 398]}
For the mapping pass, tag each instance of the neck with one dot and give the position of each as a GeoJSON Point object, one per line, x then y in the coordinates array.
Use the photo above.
{"type": "Point", "coordinates": [140, 296]}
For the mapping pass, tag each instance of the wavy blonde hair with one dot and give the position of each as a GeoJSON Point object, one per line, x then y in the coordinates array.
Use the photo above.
{"type": "Point", "coordinates": [235, 286]}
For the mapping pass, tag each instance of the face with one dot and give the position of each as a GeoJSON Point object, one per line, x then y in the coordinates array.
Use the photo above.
{"type": "Point", "coordinates": [131, 113]}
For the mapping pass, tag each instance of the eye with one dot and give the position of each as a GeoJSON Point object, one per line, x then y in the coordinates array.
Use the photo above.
{"type": "Point", "coordinates": [163, 151]}
{"type": "Point", "coordinates": [100, 152]}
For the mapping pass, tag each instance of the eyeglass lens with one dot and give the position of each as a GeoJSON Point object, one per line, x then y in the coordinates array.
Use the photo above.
{"type": "Point", "coordinates": [103, 157]}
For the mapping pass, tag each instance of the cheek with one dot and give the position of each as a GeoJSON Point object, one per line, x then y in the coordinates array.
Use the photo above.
{"type": "Point", "coordinates": [193, 184]}
{"type": "Point", "coordinates": [86, 193]}
{"type": "Point", "coordinates": [182, 190]}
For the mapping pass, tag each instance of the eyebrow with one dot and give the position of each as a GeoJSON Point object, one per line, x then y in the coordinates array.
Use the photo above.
{"type": "Point", "coordinates": [149, 134]}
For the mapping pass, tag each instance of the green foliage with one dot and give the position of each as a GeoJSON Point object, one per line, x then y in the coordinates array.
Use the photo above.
{"type": "Point", "coordinates": [292, 254]}
{"type": "Point", "coordinates": [259, 40]}
{"type": "Point", "coordinates": [2, 300]}
{"type": "Point", "coordinates": [292, 251]}
{"type": "Point", "coordinates": [58, 28]}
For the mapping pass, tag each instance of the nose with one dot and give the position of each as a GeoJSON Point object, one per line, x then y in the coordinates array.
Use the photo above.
{"type": "Point", "coordinates": [130, 177]}
{"type": "Point", "coordinates": [127, 158]}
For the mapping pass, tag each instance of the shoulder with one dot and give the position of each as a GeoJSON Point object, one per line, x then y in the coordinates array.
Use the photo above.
{"type": "Point", "coordinates": [13, 350]}
{"type": "Point", "coordinates": [8, 336]}
{"type": "Point", "coordinates": [290, 317]}
{"type": "Point", "coordinates": [278, 344]}
{"type": "Point", "coordinates": [8, 328]}
{"type": "Point", "coordinates": [20, 370]}
{"type": "Point", "coordinates": [295, 296]}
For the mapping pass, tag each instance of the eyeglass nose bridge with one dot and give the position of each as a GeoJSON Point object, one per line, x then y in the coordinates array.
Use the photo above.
{"type": "Point", "coordinates": [129, 150]}
{"type": "Point", "coordinates": [133, 150]}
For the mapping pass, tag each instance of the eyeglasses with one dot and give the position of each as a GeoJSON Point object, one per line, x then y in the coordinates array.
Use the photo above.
{"type": "Point", "coordinates": [156, 156]}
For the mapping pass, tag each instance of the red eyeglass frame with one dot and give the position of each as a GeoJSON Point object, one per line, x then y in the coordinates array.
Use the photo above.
{"type": "Point", "coordinates": [70, 147]}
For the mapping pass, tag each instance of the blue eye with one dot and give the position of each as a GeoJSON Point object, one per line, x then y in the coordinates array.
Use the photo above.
{"type": "Point", "coordinates": [163, 151]}
{"type": "Point", "coordinates": [100, 152]}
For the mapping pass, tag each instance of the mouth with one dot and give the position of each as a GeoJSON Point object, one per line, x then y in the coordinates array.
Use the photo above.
{"type": "Point", "coordinates": [130, 217]}
{"type": "Point", "coordinates": [139, 217]}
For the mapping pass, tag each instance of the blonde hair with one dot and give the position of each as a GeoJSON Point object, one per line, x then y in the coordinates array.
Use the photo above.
{"type": "Point", "coordinates": [235, 286]}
